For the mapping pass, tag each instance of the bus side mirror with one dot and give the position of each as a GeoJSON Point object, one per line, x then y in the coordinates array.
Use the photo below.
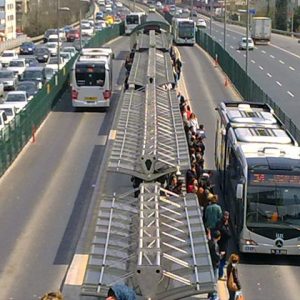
{"type": "Point", "coordinates": [239, 191]}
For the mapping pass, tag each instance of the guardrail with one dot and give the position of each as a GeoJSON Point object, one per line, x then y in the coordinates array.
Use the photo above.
{"type": "Point", "coordinates": [18, 132]}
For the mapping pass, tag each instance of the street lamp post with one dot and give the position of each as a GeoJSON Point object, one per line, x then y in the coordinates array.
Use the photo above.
{"type": "Point", "coordinates": [80, 18]}
{"type": "Point", "coordinates": [225, 20]}
{"type": "Point", "coordinates": [58, 41]}
{"type": "Point", "coordinates": [211, 11]}
{"type": "Point", "coordinates": [247, 36]}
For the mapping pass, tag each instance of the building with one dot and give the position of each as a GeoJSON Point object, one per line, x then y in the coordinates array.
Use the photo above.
{"type": "Point", "coordinates": [7, 19]}
{"type": "Point", "coordinates": [21, 11]}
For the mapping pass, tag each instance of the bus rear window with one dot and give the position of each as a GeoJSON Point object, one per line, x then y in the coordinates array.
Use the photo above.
{"type": "Point", "coordinates": [132, 19]}
{"type": "Point", "coordinates": [90, 75]}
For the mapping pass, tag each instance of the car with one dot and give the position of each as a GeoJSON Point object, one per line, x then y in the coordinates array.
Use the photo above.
{"type": "Point", "coordinates": [17, 98]}
{"type": "Point", "coordinates": [31, 61]}
{"type": "Point", "coordinates": [27, 48]}
{"type": "Point", "coordinates": [67, 28]}
{"type": "Point", "coordinates": [69, 49]}
{"type": "Point", "coordinates": [159, 5]}
{"type": "Point", "coordinates": [151, 9]}
{"type": "Point", "coordinates": [66, 56]}
{"type": "Point", "coordinates": [37, 74]}
{"type": "Point", "coordinates": [8, 79]}
{"type": "Point", "coordinates": [100, 25]}
{"type": "Point", "coordinates": [7, 56]}
{"type": "Point", "coordinates": [201, 23]}
{"type": "Point", "coordinates": [53, 63]}
{"type": "Point", "coordinates": [10, 110]}
{"type": "Point", "coordinates": [99, 15]}
{"type": "Point", "coordinates": [53, 38]}
{"type": "Point", "coordinates": [52, 47]}
{"type": "Point", "coordinates": [42, 54]}
{"type": "Point", "coordinates": [119, 4]}
{"type": "Point", "coordinates": [3, 119]}
{"type": "Point", "coordinates": [1, 89]}
{"type": "Point", "coordinates": [49, 73]}
{"type": "Point", "coordinates": [30, 87]}
{"type": "Point", "coordinates": [87, 29]}
{"type": "Point", "coordinates": [48, 33]}
{"type": "Point", "coordinates": [243, 44]}
{"type": "Point", "coordinates": [18, 66]}
{"type": "Point", "coordinates": [73, 35]}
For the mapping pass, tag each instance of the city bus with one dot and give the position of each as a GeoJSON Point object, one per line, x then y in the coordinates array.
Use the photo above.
{"type": "Point", "coordinates": [258, 162]}
{"type": "Point", "coordinates": [91, 78]}
{"type": "Point", "coordinates": [184, 31]}
{"type": "Point", "coordinates": [134, 19]}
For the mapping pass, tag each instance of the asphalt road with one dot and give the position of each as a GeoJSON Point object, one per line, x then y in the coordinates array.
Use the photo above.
{"type": "Point", "coordinates": [262, 277]}
{"type": "Point", "coordinates": [46, 193]}
{"type": "Point", "coordinates": [275, 67]}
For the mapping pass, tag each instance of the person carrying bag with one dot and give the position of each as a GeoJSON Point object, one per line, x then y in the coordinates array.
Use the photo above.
{"type": "Point", "coordinates": [233, 283]}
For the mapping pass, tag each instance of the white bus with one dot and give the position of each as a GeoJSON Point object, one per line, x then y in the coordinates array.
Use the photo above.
{"type": "Point", "coordinates": [134, 19]}
{"type": "Point", "coordinates": [259, 166]}
{"type": "Point", "coordinates": [91, 78]}
{"type": "Point", "coordinates": [184, 31]}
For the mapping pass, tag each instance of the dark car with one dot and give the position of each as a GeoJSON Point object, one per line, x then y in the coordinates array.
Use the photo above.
{"type": "Point", "coordinates": [42, 54]}
{"type": "Point", "coordinates": [27, 48]}
{"type": "Point", "coordinates": [73, 35]}
{"type": "Point", "coordinates": [36, 74]}
{"type": "Point", "coordinates": [31, 62]}
{"type": "Point", "coordinates": [30, 87]}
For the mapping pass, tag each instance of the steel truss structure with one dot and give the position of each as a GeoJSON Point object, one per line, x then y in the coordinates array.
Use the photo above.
{"type": "Point", "coordinates": [161, 41]}
{"type": "Point", "coordinates": [155, 243]}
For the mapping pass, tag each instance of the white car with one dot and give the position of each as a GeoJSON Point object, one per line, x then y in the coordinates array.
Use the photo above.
{"type": "Point", "coordinates": [159, 5]}
{"type": "Point", "coordinates": [152, 9]}
{"type": "Point", "coordinates": [52, 48]}
{"type": "Point", "coordinates": [7, 56]}
{"type": "Point", "coordinates": [119, 4]}
{"type": "Point", "coordinates": [53, 63]}
{"type": "Point", "coordinates": [69, 49]}
{"type": "Point", "coordinates": [53, 38]}
{"type": "Point", "coordinates": [87, 29]}
{"type": "Point", "coordinates": [3, 119]}
{"type": "Point", "coordinates": [201, 23]}
{"type": "Point", "coordinates": [10, 110]}
{"type": "Point", "coordinates": [243, 44]}
{"type": "Point", "coordinates": [18, 66]}
{"type": "Point", "coordinates": [18, 99]}
{"type": "Point", "coordinates": [66, 56]}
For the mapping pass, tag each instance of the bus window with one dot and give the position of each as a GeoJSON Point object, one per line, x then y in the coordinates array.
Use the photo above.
{"type": "Point", "coordinates": [90, 75]}
{"type": "Point", "coordinates": [132, 19]}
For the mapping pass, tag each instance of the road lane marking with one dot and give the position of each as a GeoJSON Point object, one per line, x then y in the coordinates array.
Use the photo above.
{"type": "Point", "coordinates": [278, 83]}
{"type": "Point", "coordinates": [261, 67]}
{"type": "Point", "coordinates": [282, 62]}
{"type": "Point", "coordinates": [231, 46]}
{"type": "Point", "coordinates": [77, 269]}
{"type": "Point", "coordinates": [269, 75]}
{"type": "Point", "coordinates": [253, 61]}
{"type": "Point", "coordinates": [263, 51]}
{"type": "Point", "coordinates": [244, 55]}
{"type": "Point", "coordinates": [272, 56]}
{"type": "Point", "coordinates": [291, 94]}
{"type": "Point", "coordinates": [291, 68]}
{"type": "Point", "coordinates": [238, 51]}
{"type": "Point", "coordinates": [112, 134]}
{"type": "Point", "coordinates": [291, 53]}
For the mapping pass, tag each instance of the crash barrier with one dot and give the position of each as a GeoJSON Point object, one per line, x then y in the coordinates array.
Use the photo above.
{"type": "Point", "coordinates": [18, 132]}
{"type": "Point", "coordinates": [246, 86]}
{"type": "Point", "coordinates": [149, 238]}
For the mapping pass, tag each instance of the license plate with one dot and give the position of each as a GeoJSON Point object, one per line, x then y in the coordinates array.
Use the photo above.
{"type": "Point", "coordinates": [90, 99]}
{"type": "Point", "coordinates": [278, 252]}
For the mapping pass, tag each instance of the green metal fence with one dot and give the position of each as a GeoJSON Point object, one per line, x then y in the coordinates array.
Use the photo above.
{"type": "Point", "coordinates": [22, 128]}
{"type": "Point", "coordinates": [246, 86]}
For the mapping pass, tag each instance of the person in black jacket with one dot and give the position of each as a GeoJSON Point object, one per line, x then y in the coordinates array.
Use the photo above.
{"type": "Point", "coordinates": [215, 256]}
{"type": "Point", "coordinates": [223, 227]}
{"type": "Point", "coordinates": [232, 269]}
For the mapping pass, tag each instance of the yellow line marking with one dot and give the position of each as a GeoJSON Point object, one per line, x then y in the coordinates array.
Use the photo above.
{"type": "Point", "coordinates": [77, 269]}
{"type": "Point", "coordinates": [112, 134]}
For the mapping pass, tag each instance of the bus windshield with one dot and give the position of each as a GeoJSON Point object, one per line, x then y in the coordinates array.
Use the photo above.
{"type": "Point", "coordinates": [186, 30]}
{"type": "Point", "coordinates": [132, 19]}
{"type": "Point", "coordinates": [90, 74]}
{"type": "Point", "coordinates": [273, 206]}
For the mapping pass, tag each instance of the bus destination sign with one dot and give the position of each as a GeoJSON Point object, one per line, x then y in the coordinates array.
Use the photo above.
{"type": "Point", "coordinates": [274, 179]}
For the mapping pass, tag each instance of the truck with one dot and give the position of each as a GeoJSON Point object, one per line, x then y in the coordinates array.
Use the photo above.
{"type": "Point", "coordinates": [261, 30]}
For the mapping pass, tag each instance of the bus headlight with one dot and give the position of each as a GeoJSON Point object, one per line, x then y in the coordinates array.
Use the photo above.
{"type": "Point", "coordinates": [249, 242]}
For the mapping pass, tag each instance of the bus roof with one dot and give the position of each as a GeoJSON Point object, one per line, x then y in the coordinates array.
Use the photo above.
{"type": "Point", "coordinates": [96, 51]}
{"type": "Point", "coordinates": [184, 20]}
{"type": "Point", "coordinates": [137, 13]}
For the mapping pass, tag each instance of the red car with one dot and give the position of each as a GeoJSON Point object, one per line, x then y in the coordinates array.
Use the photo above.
{"type": "Point", "coordinates": [72, 35]}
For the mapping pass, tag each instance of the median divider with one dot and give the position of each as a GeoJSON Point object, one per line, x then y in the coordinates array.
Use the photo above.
{"type": "Point", "coordinates": [15, 135]}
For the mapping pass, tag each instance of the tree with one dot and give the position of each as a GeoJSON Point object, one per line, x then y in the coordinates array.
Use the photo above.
{"type": "Point", "coordinates": [297, 19]}
{"type": "Point", "coordinates": [281, 15]}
